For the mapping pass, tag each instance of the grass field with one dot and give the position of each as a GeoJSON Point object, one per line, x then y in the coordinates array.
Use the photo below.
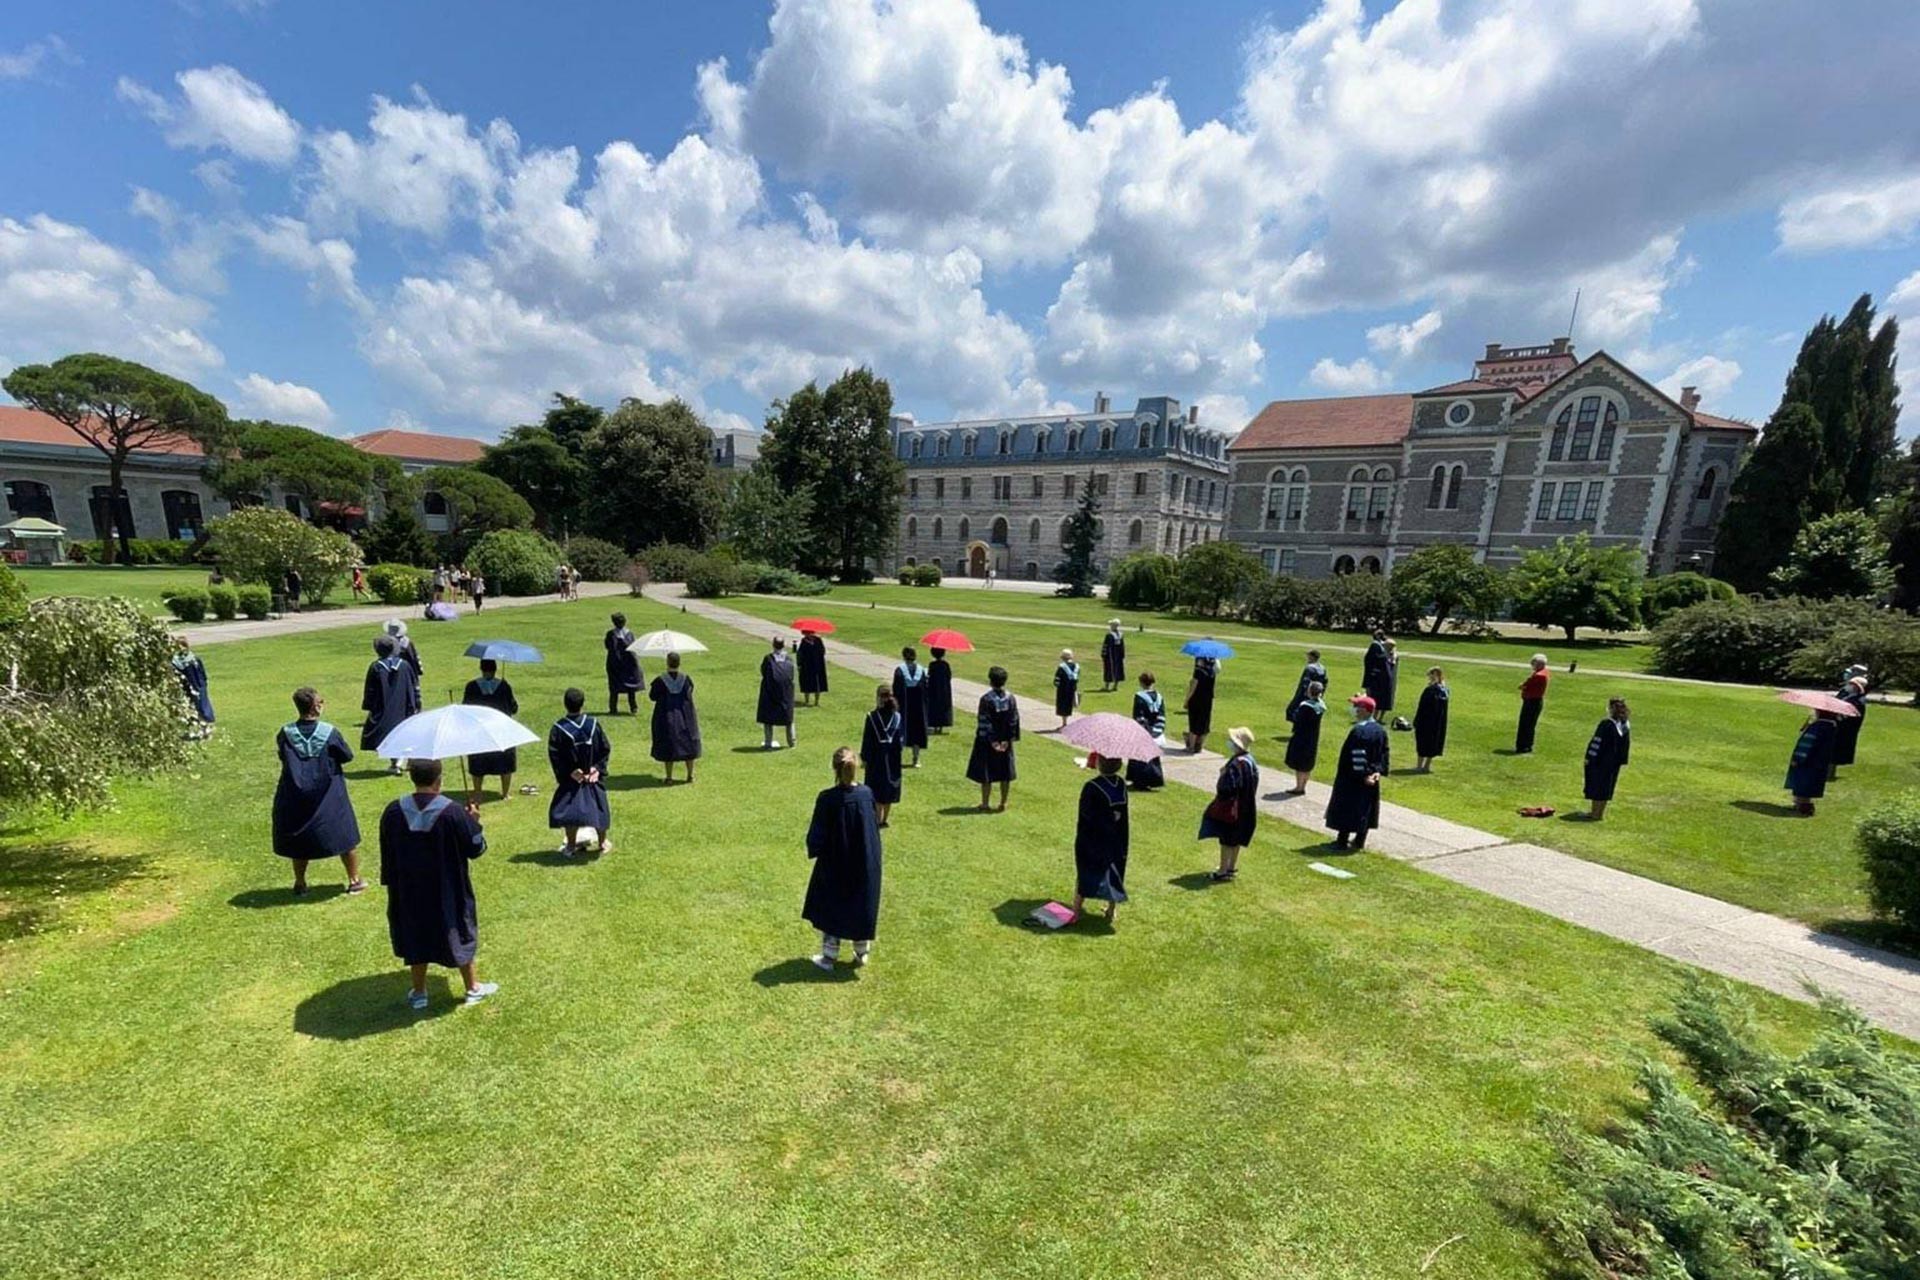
{"type": "Point", "coordinates": [1700, 806]}
{"type": "Point", "coordinates": [1287, 1076]}
{"type": "Point", "coordinates": [144, 584]}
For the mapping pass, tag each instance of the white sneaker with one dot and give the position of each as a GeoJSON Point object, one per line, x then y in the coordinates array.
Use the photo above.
{"type": "Point", "coordinates": [416, 1000]}
{"type": "Point", "coordinates": [606, 845]}
{"type": "Point", "coordinates": [566, 848]}
{"type": "Point", "coordinates": [860, 958]}
{"type": "Point", "coordinates": [822, 962]}
{"type": "Point", "coordinates": [476, 994]}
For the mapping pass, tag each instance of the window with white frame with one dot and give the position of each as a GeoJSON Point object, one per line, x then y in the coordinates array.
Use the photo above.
{"type": "Point", "coordinates": [1569, 507]}
{"type": "Point", "coordinates": [1590, 509]}
{"type": "Point", "coordinates": [1381, 495]}
{"type": "Point", "coordinates": [1545, 510]}
{"type": "Point", "coordinates": [1286, 497]}
{"type": "Point", "coordinates": [1357, 494]}
{"type": "Point", "coordinates": [1289, 561]}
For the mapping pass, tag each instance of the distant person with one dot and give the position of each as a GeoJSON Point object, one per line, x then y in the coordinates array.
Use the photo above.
{"type": "Point", "coordinates": [1607, 753]}
{"type": "Point", "coordinates": [1113, 657]}
{"type": "Point", "coordinates": [312, 816]}
{"type": "Point", "coordinates": [910, 691]}
{"type": "Point", "coordinates": [390, 695]}
{"type": "Point", "coordinates": [1393, 678]}
{"type": "Point", "coordinates": [1846, 740]}
{"type": "Point", "coordinates": [1101, 839]}
{"type": "Point", "coordinates": [939, 692]}
{"type": "Point", "coordinates": [843, 839]}
{"type": "Point", "coordinates": [1812, 761]}
{"type": "Point", "coordinates": [996, 729]}
{"type": "Point", "coordinates": [810, 656]}
{"type": "Point", "coordinates": [1376, 672]}
{"type": "Point", "coordinates": [1199, 702]}
{"type": "Point", "coordinates": [439, 582]}
{"type": "Point", "coordinates": [573, 583]}
{"type": "Point", "coordinates": [192, 674]}
{"type": "Point", "coordinates": [426, 842]}
{"type": "Point", "coordinates": [1354, 807]}
{"type": "Point", "coordinates": [404, 650]}
{"type": "Point", "coordinates": [990, 577]}
{"type": "Point", "coordinates": [881, 738]}
{"type": "Point", "coordinates": [624, 675]}
{"type": "Point", "coordinates": [359, 581]}
{"type": "Point", "coordinates": [1311, 674]}
{"type": "Point", "coordinates": [488, 690]}
{"type": "Point", "coordinates": [1430, 721]}
{"type": "Point", "coordinates": [1234, 811]}
{"type": "Point", "coordinates": [1066, 687]}
{"type": "Point", "coordinates": [578, 751]}
{"type": "Point", "coordinates": [560, 581]}
{"type": "Point", "coordinates": [675, 724]}
{"type": "Point", "coordinates": [1303, 747]}
{"type": "Point", "coordinates": [1150, 713]}
{"type": "Point", "coordinates": [775, 707]}
{"type": "Point", "coordinates": [292, 585]}
{"type": "Point", "coordinates": [1533, 699]}
{"type": "Point", "coordinates": [477, 585]}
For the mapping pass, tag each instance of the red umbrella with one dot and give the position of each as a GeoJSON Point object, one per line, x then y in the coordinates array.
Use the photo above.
{"type": "Point", "coordinates": [819, 626]}
{"type": "Point", "coordinates": [1107, 733]}
{"type": "Point", "coordinates": [951, 641]}
{"type": "Point", "coordinates": [1819, 702]}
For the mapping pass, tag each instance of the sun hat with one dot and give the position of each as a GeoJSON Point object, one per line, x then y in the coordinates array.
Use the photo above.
{"type": "Point", "coordinates": [1241, 737]}
{"type": "Point", "coordinates": [395, 627]}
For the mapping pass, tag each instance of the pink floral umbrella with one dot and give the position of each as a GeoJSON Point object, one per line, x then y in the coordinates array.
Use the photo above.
{"type": "Point", "coordinates": [1819, 701]}
{"type": "Point", "coordinates": [1114, 736]}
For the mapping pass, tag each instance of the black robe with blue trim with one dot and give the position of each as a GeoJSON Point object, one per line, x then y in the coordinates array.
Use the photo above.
{"type": "Point", "coordinates": [578, 742]}
{"type": "Point", "coordinates": [1100, 840]}
{"type": "Point", "coordinates": [392, 694]}
{"type": "Point", "coordinates": [1113, 658]}
{"type": "Point", "coordinates": [880, 742]}
{"type": "Point", "coordinates": [1150, 713]}
{"type": "Point", "coordinates": [1607, 751]}
{"type": "Point", "coordinates": [193, 678]}
{"type": "Point", "coordinates": [910, 694]}
{"type": "Point", "coordinates": [312, 816]}
{"type": "Point", "coordinates": [1812, 760]}
{"type": "Point", "coordinates": [425, 846]}
{"type": "Point", "coordinates": [498, 694]}
{"type": "Point", "coordinates": [997, 721]}
{"type": "Point", "coordinates": [675, 724]}
{"type": "Point", "coordinates": [1355, 806]}
{"type": "Point", "coordinates": [1066, 688]}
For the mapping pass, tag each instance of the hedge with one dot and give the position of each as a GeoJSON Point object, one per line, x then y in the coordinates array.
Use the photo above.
{"type": "Point", "coordinates": [1777, 641]}
{"type": "Point", "coordinates": [1888, 839]}
{"type": "Point", "coordinates": [189, 604]}
{"type": "Point", "coordinates": [920, 575]}
{"type": "Point", "coordinates": [146, 551]}
{"type": "Point", "coordinates": [225, 602]}
{"type": "Point", "coordinates": [668, 561]}
{"type": "Point", "coordinates": [514, 562]}
{"type": "Point", "coordinates": [596, 559]}
{"type": "Point", "coordinates": [400, 584]}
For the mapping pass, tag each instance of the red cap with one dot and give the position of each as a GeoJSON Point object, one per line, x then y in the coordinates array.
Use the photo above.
{"type": "Point", "coordinates": [1362, 701]}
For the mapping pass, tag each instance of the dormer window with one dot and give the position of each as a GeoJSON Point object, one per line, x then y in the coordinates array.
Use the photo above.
{"type": "Point", "coordinates": [968, 444]}
{"type": "Point", "coordinates": [1106, 437]}
{"type": "Point", "coordinates": [914, 448]}
{"type": "Point", "coordinates": [1041, 439]}
{"type": "Point", "coordinates": [1004, 445]}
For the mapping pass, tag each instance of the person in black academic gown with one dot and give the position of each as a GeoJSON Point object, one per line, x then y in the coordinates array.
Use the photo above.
{"type": "Point", "coordinates": [392, 694]}
{"type": "Point", "coordinates": [404, 650]}
{"type": "Point", "coordinates": [996, 729]}
{"type": "Point", "coordinates": [1233, 813]}
{"type": "Point", "coordinates": [843, 893]}
{"type": "Point", "coordinates": [1199, 704]}
{"type": "Point", "coordinates": [1150, 713]}
{"type": "Point", "coordinates": [1113, 657]}
{"type": "Point", "coordinates": [1303, 748]}
{"type": "Point", "coordinates": [1312, 673]}
{"type": "Point", "coordinates": [676, 725]}
{"type": "Point", "coordinates": [1100, 840]}
{"type": "Point", "coordinates": [1430, 721]}
{"type": "Point", "coordinates": [775, 706]}
{"type": "Point", "coordinates": [1373, 670]}
{"type": "Point", "coordinates": [426, 842]}
{"type": "Point", "coordinates": [910, 691]}
{"type": "Point", "coordinates": [1846, 739]}
{"type": "Point", "coordinates": [1354, 807]}
{"type": "Point", "coordinates": [939, 692]}
{"type": "Point", "coordinates": [1393, 679]}
{"type": "Point", "coordinates": [880, 742]}
{"type": "Point", "coordinates": [623, 667]}
{"type": "Point", "coordinates": [1812, 760]}
{"type": "Point", "coordinates": [578, 750]}
{"type": "Point", "coordinates": [1066, 686]}
{"type": "Point", "coordinates": [1607, 751]}
{"type": "Point", "coordinates": [489, 690]}
{"type": "Point", "coordinates": [193, 679]}
{"type": "Point", "coordinates": [312, 817]}
{"type": "Point", "coordinates": [810, 655]}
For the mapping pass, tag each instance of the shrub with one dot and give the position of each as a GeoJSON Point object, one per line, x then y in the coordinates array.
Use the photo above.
{"type": "Point", "coordinates": [596, 559]}
{"type": "Point", "coordinates": [398, 537]}
{"type": "Point", "coordinates": [189, 604]}
{"type": "Point", "coordinates": [1282, 601]}
{"type": "Point", "coordinates": [710, 576]}
{"type": "Point", "coordinates": [1355, 602]}
{"type": "Point", "coordinates": [1448, 580]}
{"type": "Point", "coordinates": [1143, 580]}
{"type": "Point", "coordinates": [1842, 554]}
{"type": "Point", "coordinates": [1753, 641]}
{"type": "Point", "coordinates": [1216, 575]}
{"type": "Point", "coordinates": [514, 562]}
{"type": "Point", "coordinates": [1673, 591]}
{"type": "Point", "coordinates": [773, 580]}
{"type": "Point", "coordinates": [259, 544]}
{"type": "Point", "coordinates": [397, 583]}
{"type": "Point", "coordinates": [1885, 642]}
{"type": "Point", "coordinates": [1574, 584]}
{"type": "Point", "coordinates": [255, 601]}
{"type": "Point", "coordinates": [920, 575]}
{"type": "Point", "coordinates": [668, 561]}
{"type": "Point", "coordinates": [13, 598]}
{"type": "Point", "coordinates": [141, 551]}
{"type": "Point", "coordinates": [225, 602]}
{"type": "Point", "coordinates": [1888, 839]}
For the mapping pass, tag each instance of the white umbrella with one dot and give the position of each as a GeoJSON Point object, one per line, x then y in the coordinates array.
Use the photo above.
{"type": "Point", "coordinates": [457, 730]}
{"type": "Point", "coordinates": [666, 642]}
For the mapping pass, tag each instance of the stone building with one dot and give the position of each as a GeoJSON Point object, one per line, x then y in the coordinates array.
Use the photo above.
{"type": "Point", "coordinates": [997, 492]}
{"type": "Point", "coordinates": [1535, 446]}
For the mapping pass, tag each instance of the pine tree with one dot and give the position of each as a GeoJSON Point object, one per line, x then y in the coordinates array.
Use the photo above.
{"type": "Point", "coordinates": [1772, 497]}
{"type": "Point", "coordinates": [1076, 573]}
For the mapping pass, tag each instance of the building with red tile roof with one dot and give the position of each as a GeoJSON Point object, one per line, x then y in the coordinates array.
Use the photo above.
{"type": "Point", "coordinates": [416, 450]}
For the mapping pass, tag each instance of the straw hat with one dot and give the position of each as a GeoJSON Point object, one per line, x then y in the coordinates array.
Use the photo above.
{"type": "Point", "coordinates": [1241, 737]}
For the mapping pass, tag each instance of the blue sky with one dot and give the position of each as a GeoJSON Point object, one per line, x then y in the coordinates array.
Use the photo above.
{"type": "Point", "coordinates": [433, 214]}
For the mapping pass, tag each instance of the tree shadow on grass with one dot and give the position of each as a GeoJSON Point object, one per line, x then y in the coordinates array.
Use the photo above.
{"type": "Point", "coordinates": [1014, 912]}
{"type": "Point", "coordinates": [37, 879]}
{"type": "Point", "coordinates": [284, 896]}
{"type": "Point", "coordinates": [801, 970]}
{"type": "Point", "coordinates": [369, 1005]}
{"type": "Point", "coordinates": [1766, 809]}
{"type": "Point", "coordinates": [1881, 935]}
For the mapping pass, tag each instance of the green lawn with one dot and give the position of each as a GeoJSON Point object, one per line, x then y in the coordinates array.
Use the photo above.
{"type": "Point", "coordinates": [1700, 806]}
{"type": "Point", "coordinates": [144, 584]}
{"type": "Point", "coordinates": [1291, 1075]}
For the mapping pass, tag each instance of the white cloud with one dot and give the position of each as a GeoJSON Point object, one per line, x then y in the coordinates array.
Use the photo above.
{"type": "Point", "coordinates": [219, 107]}
{"type": "Point", "coordinates": [30, 60]}
{"type": "Point", "coordinates": [1713, 376]}
{"type": "Point", "coordinates": [418, 169]}
{"type": "Point", "coordinates": [1361, 377]}
{"type": "Point", "coordinates": [1403, 341]}
{"type": "Point", "coordinates": [1904, 303]}
{"type": "Point", "coordinates": [328, 262]}
{"type": "Point", "coordinates": [262, 397]}
{"type": "Point", "coordinates": [1862, 215]}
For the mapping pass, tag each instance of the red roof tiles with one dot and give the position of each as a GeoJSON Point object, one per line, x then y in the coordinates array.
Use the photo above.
{"type": "Point", "coordinates": [1344, 422]}
{"type": "Point", "coordinates": [420, 446]}
{"type": "Point", "coordinates": [1723, 424]}
{"type": "Point", "coordinates": [29, 426]}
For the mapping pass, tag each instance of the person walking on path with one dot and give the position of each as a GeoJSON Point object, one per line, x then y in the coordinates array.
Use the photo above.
{"type": "Point", "coordinates": [996, 729]}
{"type": "Point", "coordinates": [1430, 721]}
{"type": "Point", "coordinates": [1113, 657]}
{"type": "Point", "coordinates": [810, 656]}
{"type": "Point", "coordinates": [676, 724]}
{"type": "Point", "coordinates": [1846, 740]}
{"type": "Point", "coordinates": [478, 586]}
{"type": "Point", "coordinates": [623, 667]}
{"type": "Point", "coordinates": [939, 692]}
{"type": "Point", "coordinates": [312, 816]}
{"type": "Point", "coordinates": [1354, 807]}
{"type": "Point", "coordinates": [1303, 748]}
{"type": "Point", "coordinates": [1150, 713]}
{"type": "Point", "coordinates": [1533, 699]}
{"type": "Point", "coordinates": [489, 690]}
{"type": "Point", "coordinates": [426, 842]}
{"type": "Point", "coordinates": [1199, 703]}
{"type": "Point", "coordinates": [880, 743]}
{"type": "Point", "coordinates": [1376, 672]}
{"type": "Point", "coordinates": [910, 692]}
{"type": "Point", "coordinates": [578, 752]}
{"type": "Point", "coordinates": [1234, 811]}
{"type": "Point", "coordinates": [293, 587]}
{"type": "Point", "coordinates": [843, 840]}
{"type": "Point", "coordinates": [1100, 840]}
{"type": "Point", "coordinates": [1607, 752]}
{"type": "Point", "coordinates": [1812, 760]}
{"type": "Point", "coordinates": [1311, 674]}
{"type": "Point", "coordinates": [1066, 687]}
{"type": "Point", "coordinates": [192, 674]}
{"type": "Point", "coordinates": [775, 706]}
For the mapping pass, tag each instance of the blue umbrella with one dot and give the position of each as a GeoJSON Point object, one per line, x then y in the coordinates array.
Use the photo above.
{"type": "Point", "coordinates": [1206, 649]}
{"type": "Point", "coordinates": [503, 651]}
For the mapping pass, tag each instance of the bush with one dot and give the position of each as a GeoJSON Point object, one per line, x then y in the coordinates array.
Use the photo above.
{"type": "Point", "coordinates": [1282, 601]}
{"type": "Point", "coordinates": [1574, 584]}
{"type": "Point", "coordinates": [1143, 580]}
{"type": "Point", "coordinates": [775, 581]}
{"type": "Point", "coordinates": [397, 583]}
{"type": "Point", "coordinates": [668, 561]}
{"type": "Point", "coordinates": [1674, 591]}
{"type": "Point", "coordinates": [1888, 839]}
{"type": "Point", "coordinates": [711, 576]}
{"type": "Point", "coordinates": [1885, 642]}
{"type": "Point", "coordinates": [1216, 576]}
{"type": "Point", "coordinates": [398, 537]}
{"type": "Point", "coordinates": [596, 559]}
{"type": "Point", "coordinates": [259, 544]}
{"type": "Point", "coordinates": [13, 598]}
{"type": "Point", "coordinates": [255, 601]}
{"type": "Point", "coordinates": [144, 551]}
{"type": "Point", "coordinates": [514, 562]}
{"type": "Point", "coordinates": [920, 575]}
{"type": "Point", "coordinates": [225, 602]}
{"type": "Point", "coordinates": [1356, 602]}
{"type": "Point", "coordinates": [1753, 641]}
{"type": "Point", "coordinates": [189, 604]}
{"type": "Point", "coordinates": [1446, 579]}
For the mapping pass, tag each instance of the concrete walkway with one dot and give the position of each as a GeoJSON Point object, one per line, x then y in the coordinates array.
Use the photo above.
{"type": "Point", "coordinates": [370, 616]}
{"type": "Point", "coordinates": [1781, 955]}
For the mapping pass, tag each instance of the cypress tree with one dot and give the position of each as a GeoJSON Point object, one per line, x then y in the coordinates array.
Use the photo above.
{"type": "Point", "coordinates": [1771, 499]}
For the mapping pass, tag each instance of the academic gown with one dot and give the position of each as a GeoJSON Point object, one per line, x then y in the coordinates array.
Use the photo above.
{"type": "Point", "coordinates": [939, 694]}
{"type": "Point", "coordinates": [425, 846]}
{"type": "Point", "coordinates": [1150, 713]}
{"type": "Point", "coordinates": [910, 692]}
{"type": "Point", "coordinates": [1377, 677]}
{"type": "Point", "coordinates": [1812, 760]}
{"type": "Point", "coordinates": [997, 721]}
{"type": "Point", "coordinates": [776, 690]}
{"type": "Point", "coordinates": [1200, 704]}
{"type": "Point", "coordinates": [880, 743]}
{"type": "Point", "coordinates": [675, 724]}
{"type": "Point", "coordinates": [843, 893]}
{"type": "Point", "coordinates": [1303, 748]}
{"type": "Point", "coordinates": [811, 656]}
{"type": "Point", "coordinates": [312, 817]}
{"type": "Point", "coordinates": [498, 694]}
{"type": "Point", "coordinates": [193, 678]}
{"type": "Point", "coordinates": [1066, 688]}
{"type": "Point", "coordinates": [392, 694]}
{"type": "Point", "coordinates": [578, 743]}
{"type": "Point", "coordinates": [1607, 750]}
{"type": "Point", "coordinates": [1100, 841]}
{"type": "Point", "coordinates": [1355, 806]}
{"type": "Point", "coordinates": [1430, 722]}
{"type": "Point", "coordinates": [404, 651]}
{"type": "Point", "coordinates": [623, 667]}
{"type": "Point", "coordinates": [1239, 778]}
{"type": "Point", "coordinates": [1312, 673]}
{"type": "Point", "coordinates": [1113, 658]}
{"type": "Point", "coordinates": [1846, 738]}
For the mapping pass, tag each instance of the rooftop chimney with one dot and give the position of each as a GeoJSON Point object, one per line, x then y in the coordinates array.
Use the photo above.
{"type": "Point", "coordinates": [1100, 402]}
{"type": "Point", "coordinates": [1689, 398]}
{"type": "Point", "coordinates": [1561, 346]}
{"type": "Point", "coordinates": [1493, 351]}
{"type": "Point", "coordinates": [1193, 414]}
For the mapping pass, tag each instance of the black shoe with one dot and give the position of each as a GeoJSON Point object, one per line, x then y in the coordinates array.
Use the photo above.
{"type": "Point", "coordinates": [1341, 844]}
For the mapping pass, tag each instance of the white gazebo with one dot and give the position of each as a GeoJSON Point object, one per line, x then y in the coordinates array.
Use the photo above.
{"type": "Point", "coordinates": [31, 540]}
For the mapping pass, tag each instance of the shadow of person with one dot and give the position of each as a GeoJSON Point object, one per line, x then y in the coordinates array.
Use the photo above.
{"type": "Point", "coordinates": [1766, 809]}
{"type": "Point", "coordinates": [369, 1005]}
{"type": "Point", "coordinates": [368, 775]}
{"type": "Point", "coordinates": [284, 896]}
{"type": "Point", "coordinates": [962, 811]}
{"type": "Point", "coordinates": [800, 969]}
{"type": "Point", "coordinates": [639, 782]}
{"type": "Point", "coordinates": [1192, 880]}
{"type": "Point", "coordinates": [554, 858]}
{"type": "Point", "coordinates": [758, 750]}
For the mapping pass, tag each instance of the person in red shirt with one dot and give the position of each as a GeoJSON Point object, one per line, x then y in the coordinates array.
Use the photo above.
{"type": "Point", "coordinates": [1533, 697]}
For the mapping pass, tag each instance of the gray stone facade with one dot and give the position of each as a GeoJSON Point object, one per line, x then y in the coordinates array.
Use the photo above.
{"type": "Point", "coordinates": [166, 496]}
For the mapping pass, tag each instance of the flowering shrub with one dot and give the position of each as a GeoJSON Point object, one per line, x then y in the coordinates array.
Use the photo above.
{"type": "Point", "coordinates": [514, 563]}
{"type": "Point", "coordinates": [259, 544]}
{"type": "Point", "coordinates": [397, 583]}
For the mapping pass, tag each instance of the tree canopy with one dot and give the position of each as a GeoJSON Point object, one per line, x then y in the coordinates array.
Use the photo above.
{"type": "Point", "coordinates": [653, 478]}
{"type": "Point", "coordinates": [328, 475]}
{"type": "Point", "coordinates": [1575, 584]}
{"type": "Point", "coordinates": [1210, 576]}
{"type": "Point", "coordinates": [768, 524]}
{"type": "Point", "coordinates": [1447, 578]}
{"type": "Point", "coordinates": [1838, 555]}
{"type": "Point", "coordinates": [838, 443]}
{"type": "Point", "coordinates": [477, 503]}
{"type": "Point", "coordinates": [534, 464]}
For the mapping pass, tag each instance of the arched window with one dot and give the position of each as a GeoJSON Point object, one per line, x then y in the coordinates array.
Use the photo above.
{"type": "Point", "coordinates": [1357, 494]}
{"type": "Point", "coordinates": [1063, 531]}
{"type": "Point", "coordinates": [1371, 564]}
{"type": "Point", "coordinates": [1381, 494]}
{"type": "Point", "coordinates": [435, 504]}
{"type": "Point", "coordinates": [1286, 497]}
{"type": "Point", "coordinates": [913, 449]}
{"type": "Point", "coordinates": [1074, 435]}
{"type": "Point", "coordinates": [1437, 488]}
{"type": "Point", "coordinates": [1457, 478]}
{"type": "Point", "coordinates": [999, 535]}
{"type": "Point", "coordinates": [1134, 531]}
{"type": "Point", "coordinates": [1041, 438]}
{"type": "Point", "coordinates": [913, 526]}
{"type": "Point", "coordinates": [966, 529]}
{"type": "Point", "coordinates": [1033, 530]}
{"type": "Point", "coordinates": [1584, 423]}
{"type": "Point", "coordinates": [1558, 449]}
{"type": "Point", "coordinates": [937, 523]}
{"type": "Point", "coordinates": [1609, 423]}
{"type": "Point", "coordinates": [1343, 566]}
{"type": "Point", "coordinates": [182, 508]}
{"type": "Point", "coordinates": [1708, 484]}
{"type": "Point", "coordinates": [1106, 437]}
{"type": "Point", "coordinates": [30, 499]}
{"type": "Point", "coordinates": [940, 447]}
{"type": "Point", "coordinates": [104, 504]}
{"type": "Point", "coordinates": [1004, 444]}
{"type": "Point", "coordinates": [911, 561]}
{"type": "Point", "coordinates": [968, 443]}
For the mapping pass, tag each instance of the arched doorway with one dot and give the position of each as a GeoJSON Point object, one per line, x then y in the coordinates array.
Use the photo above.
{"type": "Point", "coordinates": [977, 560]}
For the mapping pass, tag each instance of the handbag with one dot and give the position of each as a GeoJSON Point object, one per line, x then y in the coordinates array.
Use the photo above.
{"type": "Point", "coordinates": [1224, 810]}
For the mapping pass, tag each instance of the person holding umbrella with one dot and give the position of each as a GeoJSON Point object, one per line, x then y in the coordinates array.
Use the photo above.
{"type": "Point", "coordinates": [1303, 747]}
{"type": "Point", "coordinates": [1066, 687]}
{"type": "Point", "coordinates": [489, 690]}
{"type": "Point", "coordinates": [996, 729]}
{"type": "Point", "coordinates": [426, 842]}
{"type": "Point", "coordinates": [1101, 838]}
{"type": "Point", "coordinates": [1150, 713]}
{"type": "Point", "coordinates": [1846, 741]}
{"type": "Point", "coordinates": [1607, 752]}
{"type": "Point", "coordinates": [391, 694]}
{"type": "Point", "coordinates": [910, 691]}
{"type": "Point", "coordinates": [1354, 807]}
{"type": "Point", "coordinates": [1113, 657]}
{"type": "Point", "coordinates": [578, 751]}
{"type": "Point", "coordinates": [1311, 674]}
{"type": "Point", "coordinates": [1812, 759]}
{"type": "Point", "coordinates": [775, 706]}
{"type": "Point", "coordinates": [675, 724]}
{"type": "Point", "coordinates": [312, 817]}
{"type": "Point", "coordinates": [623, 667]}
{"type": "Point", "coordinates": [843, 840]}
{"type": "Point", "coordinates": [1199, 703]}
{"type": "Point", "coordinates": [1233, 813]}
{"type": "Point", "coordinates": [939, 692]}
{"type": "Point", "coordinates": [1430, 721]}
{"type": "Point", "coordinates": [880, 742]}
{"type": "Point", "coordinates": [811, 658]}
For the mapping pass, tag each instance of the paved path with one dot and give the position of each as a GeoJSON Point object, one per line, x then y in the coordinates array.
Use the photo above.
{"type": "Point", "coordinates": [367, 616]}
{"type": "Point", "coordinates": [1780, 955]}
